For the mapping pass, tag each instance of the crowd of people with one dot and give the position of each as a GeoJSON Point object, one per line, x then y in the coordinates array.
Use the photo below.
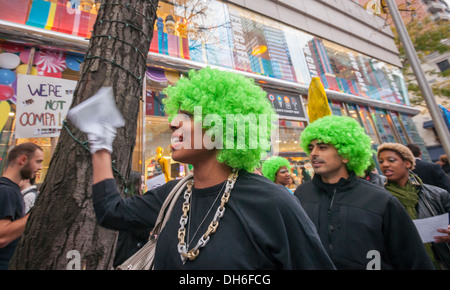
{"type": "Point", "coordinates": [234, 215]}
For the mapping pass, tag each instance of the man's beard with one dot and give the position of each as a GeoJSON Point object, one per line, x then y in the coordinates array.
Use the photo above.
{"type": "Point", "coordinates": [26, 172]}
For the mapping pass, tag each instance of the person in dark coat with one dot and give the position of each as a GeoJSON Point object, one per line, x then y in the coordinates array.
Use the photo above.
{"type": "Point", "coordinates": [226, 218]}
{"type": "Point", "coordinates": [129, 242]}
{"type": "Point", "coordinates": [420, 200]}
{"type": "Point", "coordinates": [429, 173]}
{"type": "Point", "coordinates": [361, 225]}
{"type": "Point", "coordinates": [443, 162]}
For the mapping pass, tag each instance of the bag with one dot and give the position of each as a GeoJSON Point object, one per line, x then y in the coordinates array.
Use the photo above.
{"type": "Point", "coordinates": [144, 258]}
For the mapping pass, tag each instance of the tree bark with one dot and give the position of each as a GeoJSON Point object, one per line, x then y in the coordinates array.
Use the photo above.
{"type": "Point", "coordinates": [62, 223]}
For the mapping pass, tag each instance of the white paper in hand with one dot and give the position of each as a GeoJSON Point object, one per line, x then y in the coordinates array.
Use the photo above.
{"type": "Point", "coordinates": [91, 115]}
{"type": "Point", "coordinates": [427, 227]}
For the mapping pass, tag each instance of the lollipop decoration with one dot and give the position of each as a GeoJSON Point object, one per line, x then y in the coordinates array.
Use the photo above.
{"type": "Point", "coordinates": [272, 98]}
{"type": "Point", "coordinates": [51, 61]}
{"type": "Point", "coordinates": [288, 102]}
{"type": "Point", "coordinates": [280, 101]}
{"type": "Point", "coordinates": [294, 103]}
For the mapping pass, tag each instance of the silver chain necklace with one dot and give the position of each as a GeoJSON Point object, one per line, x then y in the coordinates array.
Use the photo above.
{"type": "Point", "coordinates": [189, 241]}
{"type": "Point", "coordinates": [204, 239]}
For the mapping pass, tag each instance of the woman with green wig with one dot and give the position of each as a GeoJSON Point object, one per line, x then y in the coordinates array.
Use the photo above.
{"type": "Point", "coordinates": [361, 225]}
{"type": "Point", "coordinates": [277, 169]}
{"type": "Point", "coordinates": [224, 216]}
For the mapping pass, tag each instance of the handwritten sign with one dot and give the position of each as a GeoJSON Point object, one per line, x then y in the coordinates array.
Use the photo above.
{"type": "Point", "coordinates": [42, 105]}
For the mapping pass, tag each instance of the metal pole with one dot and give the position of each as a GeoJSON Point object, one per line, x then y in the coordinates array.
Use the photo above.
{"type": "Point", "coordinates": [436, 115]}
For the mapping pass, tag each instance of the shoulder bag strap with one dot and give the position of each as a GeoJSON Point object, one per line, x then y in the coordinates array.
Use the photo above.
{"type": "Point", "coordinates": [170, 201]}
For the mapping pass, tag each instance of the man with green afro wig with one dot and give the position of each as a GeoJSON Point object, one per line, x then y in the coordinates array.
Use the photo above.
{"type": "Point", "coordinates": [230, 109]}
{"type": "Point", "coordinates": [359, 223]}
{"type": "Point", "coordinates": [346, 135]}
{"type": "Point", "coordinates": [222, 216]}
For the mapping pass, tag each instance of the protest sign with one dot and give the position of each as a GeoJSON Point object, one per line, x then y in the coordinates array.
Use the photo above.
{"type": "Point", "coordinates": [42, 105]}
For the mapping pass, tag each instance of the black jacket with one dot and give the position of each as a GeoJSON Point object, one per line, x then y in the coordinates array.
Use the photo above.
{"type": "Point", "coordinates": [435, 201]}
{"type": "Point", "coordinates": [354, 217]}
{"type": "Point", "coordinates": [263, 227]}
{"type": "Point", "coordinates": [432, 173]}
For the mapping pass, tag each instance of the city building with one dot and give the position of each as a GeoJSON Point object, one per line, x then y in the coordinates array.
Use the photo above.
{"type": "Point", "coordinates": [280, 44]}
{"type": "Point", "coordinates": [439, 9]}
{"type": "Point", "coordinates": [428, 14]}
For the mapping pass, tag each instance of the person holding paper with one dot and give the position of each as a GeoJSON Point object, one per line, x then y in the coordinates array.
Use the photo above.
{"type": "Point", "coordinates": [354, 218]}
{"type": "Point", "coordinates": [263, 226]}
{"type": "Point", "coordinates": [420, 200]}
{"type": "Point", "coordinates": [443, 239]}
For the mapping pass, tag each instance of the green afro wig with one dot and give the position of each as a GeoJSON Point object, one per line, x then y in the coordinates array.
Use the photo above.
{"type": "Point", "coordinates": [346, 135]}
{"type": "Point", "coordinates": [223, 94]}
{"type": "Point", "coordinates": [272, 165]}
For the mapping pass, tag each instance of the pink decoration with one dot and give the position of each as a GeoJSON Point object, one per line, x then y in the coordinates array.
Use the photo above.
{"type": "Point", "coordinates": [6, 92]}
{"type": "Point", "coordinates": [11, 47]}
{"type": "Point", "coordinates": [50, 61]}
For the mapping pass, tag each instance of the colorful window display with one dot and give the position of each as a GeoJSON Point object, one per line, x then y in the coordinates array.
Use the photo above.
{"type": "Point", "coordinates": [369, 125]}
{"type": "Point", "coordinates": [14, 61]}
{"type": "Point", "coordinates": [74, 17]}
{"type": "Point", "coordinates": [216, 33]}
{"type": "Point", "coordinates": [384, 125]}
{"type": "Point", "coordinates": [336, 108]}
{"type": "Point", "coordinates": [222, 34]}
{"type": "Point", "coordinates": [398, 123]}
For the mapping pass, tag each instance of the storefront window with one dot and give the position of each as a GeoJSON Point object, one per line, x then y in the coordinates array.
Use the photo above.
{"type": "Point", "coordinates": [289, 137]}
{"type": "Point", "coordinates": [44, 63]}
{"type": "Point", "coordinates": [369, 125]}
{"type": "Point", "coordinates": [302, 63]}
{"type": "Point", "coordinates": [218, 33]}
{"type": "Point", "coordinates": [71, 17]}
{"type": "Point", "coordinates": [411, 128]}
{"type": "Point", "coordinates": [287, 146]}
{"type": "Point", "coordinates": [209, 32]}
{"type": "Point", "coordinates": [158, 164]}
{"type": "Point", "coordinates": [382, 124]}
{"type": "Point", "coordinates": [7, 113]}
{"type": "Point", "coordinates": [400, 127]}
{"type": "Point", "coordinates": [336, 108]}
{"type": "Point", "coordinates": [353, 113]}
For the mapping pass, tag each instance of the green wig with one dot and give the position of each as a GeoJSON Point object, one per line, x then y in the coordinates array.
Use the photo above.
{"type": "Point", "coordinates": [346, 135]}
{"type": "Point", "coordinates": [221, 94]}
{"type": "Point", "coordinates": [271, 166]}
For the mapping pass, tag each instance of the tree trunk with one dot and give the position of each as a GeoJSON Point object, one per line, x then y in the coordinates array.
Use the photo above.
{"type": "Point", "coordinates": [62, 231]}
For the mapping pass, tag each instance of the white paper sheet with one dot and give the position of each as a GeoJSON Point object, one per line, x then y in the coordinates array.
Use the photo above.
{"type": "Point", "coordinates": [155, 182]}
{"type": "Point", "coordinates": [427, 227]}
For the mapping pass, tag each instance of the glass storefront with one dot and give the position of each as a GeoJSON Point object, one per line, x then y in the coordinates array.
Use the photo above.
{"type": "Point", "coordinates": [209, 32]}
{"type": "Point", "coordinates": [43, 62]}
{"type": "Point", "coordinates": [217, 33]}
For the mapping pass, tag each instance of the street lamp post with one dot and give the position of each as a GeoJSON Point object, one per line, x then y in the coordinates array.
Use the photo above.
{"type": "Point", "coordinates": [438, 120]}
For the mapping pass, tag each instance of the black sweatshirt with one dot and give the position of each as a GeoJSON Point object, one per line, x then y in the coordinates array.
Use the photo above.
{"type": "Point", "coordinates": [264, 226]}
{"type": "Point", "coordinates": [354, 217]}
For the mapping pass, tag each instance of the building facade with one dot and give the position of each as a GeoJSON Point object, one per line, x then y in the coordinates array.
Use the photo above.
{"type": "Point", "coordinates": [280, 44]}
